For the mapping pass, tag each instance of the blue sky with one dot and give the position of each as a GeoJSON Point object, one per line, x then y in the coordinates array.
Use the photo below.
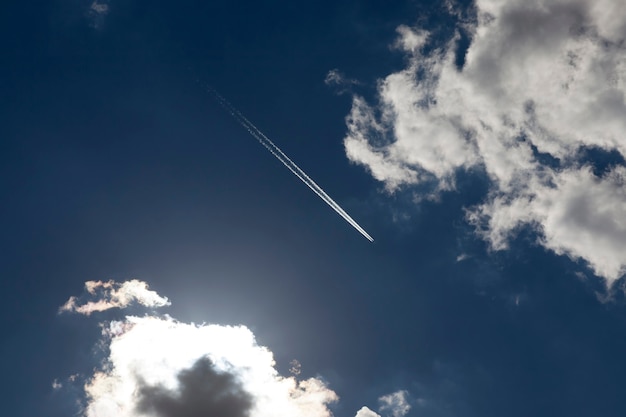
{"type": "Point", "coordinates": [480, 144]}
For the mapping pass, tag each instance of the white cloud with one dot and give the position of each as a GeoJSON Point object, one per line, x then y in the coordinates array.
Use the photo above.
{"type": "Point", "coordinates": [395, 404]}
{"type": "Point", "coordinates": [56, 384]}
{"type": "Point", "coordinates": [160, 367]}
{"type": "Point", "coordinates": [366, 412]}
{"type": "Point", "coordinates": [543, 82]}
{"type": "Point", "coordinates": [151, 358]}
{"type": "Point", "coordinates": [411, 40]}
{"type": "Point", "coordinates": [462, 257]}
{"type": "Point", "coordinates": [110, 294]}
{"type": "Point", "coordinates": [581, 216]}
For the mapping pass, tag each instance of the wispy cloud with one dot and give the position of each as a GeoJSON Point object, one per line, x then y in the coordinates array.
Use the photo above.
{"type": "Point", "coordinates": [99, 8]}
{"type": "Point", "coordinates": [162, 367]}
{"type": "Point", "coordinates": [97, 11]}
{"type": "Point", "coordinates": [110, 294]}
{"type": "Point", "coordinates": [462, 257]}
{"type": "Point", "coordinates": [395, 404]}
{"type": "Point", "coordinates": [296, 368]}
{"type": "Point", "coordinates": [337, 79]}
{"type": "Point", "coordinates": [541, 91]}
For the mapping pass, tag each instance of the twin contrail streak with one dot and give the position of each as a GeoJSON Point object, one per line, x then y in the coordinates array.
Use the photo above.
{"type": "Point", "coordinates": [275, 150]}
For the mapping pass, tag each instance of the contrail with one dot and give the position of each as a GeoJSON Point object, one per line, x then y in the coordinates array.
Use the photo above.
{"type": "Point", "coordinates": [275, 150]}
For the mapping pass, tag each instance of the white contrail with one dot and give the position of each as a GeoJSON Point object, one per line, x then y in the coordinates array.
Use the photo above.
{"type": "Point", "coordinates": [275, 150]}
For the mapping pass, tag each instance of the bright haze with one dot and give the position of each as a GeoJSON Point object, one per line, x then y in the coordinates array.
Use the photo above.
{"type": "Point", "coordinates": [156, 261]}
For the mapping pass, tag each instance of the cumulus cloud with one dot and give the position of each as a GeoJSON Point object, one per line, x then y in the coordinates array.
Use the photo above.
{"type": "Point", "coordinates": [110, 294]}
{"type": "Point", "coordinates": [165, 367]}
{"type": "Point", "coordinates": [543, 83]}
{"type": "Point", "coordinates": [160, 367]}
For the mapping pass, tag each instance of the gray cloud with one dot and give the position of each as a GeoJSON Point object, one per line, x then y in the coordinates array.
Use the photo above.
{"type": "Point", "coordinates": [542, 82]}
{"type": "Point", "coordinates": [202, 391]}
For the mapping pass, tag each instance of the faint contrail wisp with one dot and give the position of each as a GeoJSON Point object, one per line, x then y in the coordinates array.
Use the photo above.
{"type": "Point", "coordinates": [275, 150]}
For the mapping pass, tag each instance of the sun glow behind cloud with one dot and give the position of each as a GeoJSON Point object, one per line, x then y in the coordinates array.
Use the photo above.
{"type": "Point", "coordinates": [153, 351]}
{"type": "Point", "coordinates": [158, 366]}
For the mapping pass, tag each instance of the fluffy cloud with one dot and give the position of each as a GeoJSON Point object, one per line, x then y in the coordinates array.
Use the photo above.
{"type": "Point", "coordinates": [366, 412]}
{"type": "Point", "coordinates": [160, 367]}
{"type": "Point", "coordinates": [542, 85]}
{"type": "Point", "coordinates": [110, 294]}
{"type": "Point", "coordinates": [164, 367]}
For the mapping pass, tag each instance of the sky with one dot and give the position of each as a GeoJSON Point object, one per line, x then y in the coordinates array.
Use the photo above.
{"type": "Point", "coordinates": [157, 260]}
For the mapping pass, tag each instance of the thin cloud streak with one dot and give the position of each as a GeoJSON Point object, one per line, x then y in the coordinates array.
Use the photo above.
{"type": "Point", "coordinates": [280, 155]}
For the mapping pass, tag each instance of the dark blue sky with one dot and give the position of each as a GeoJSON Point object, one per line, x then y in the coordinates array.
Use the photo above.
{"type": "Point", "coordinates": [116, 164]}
